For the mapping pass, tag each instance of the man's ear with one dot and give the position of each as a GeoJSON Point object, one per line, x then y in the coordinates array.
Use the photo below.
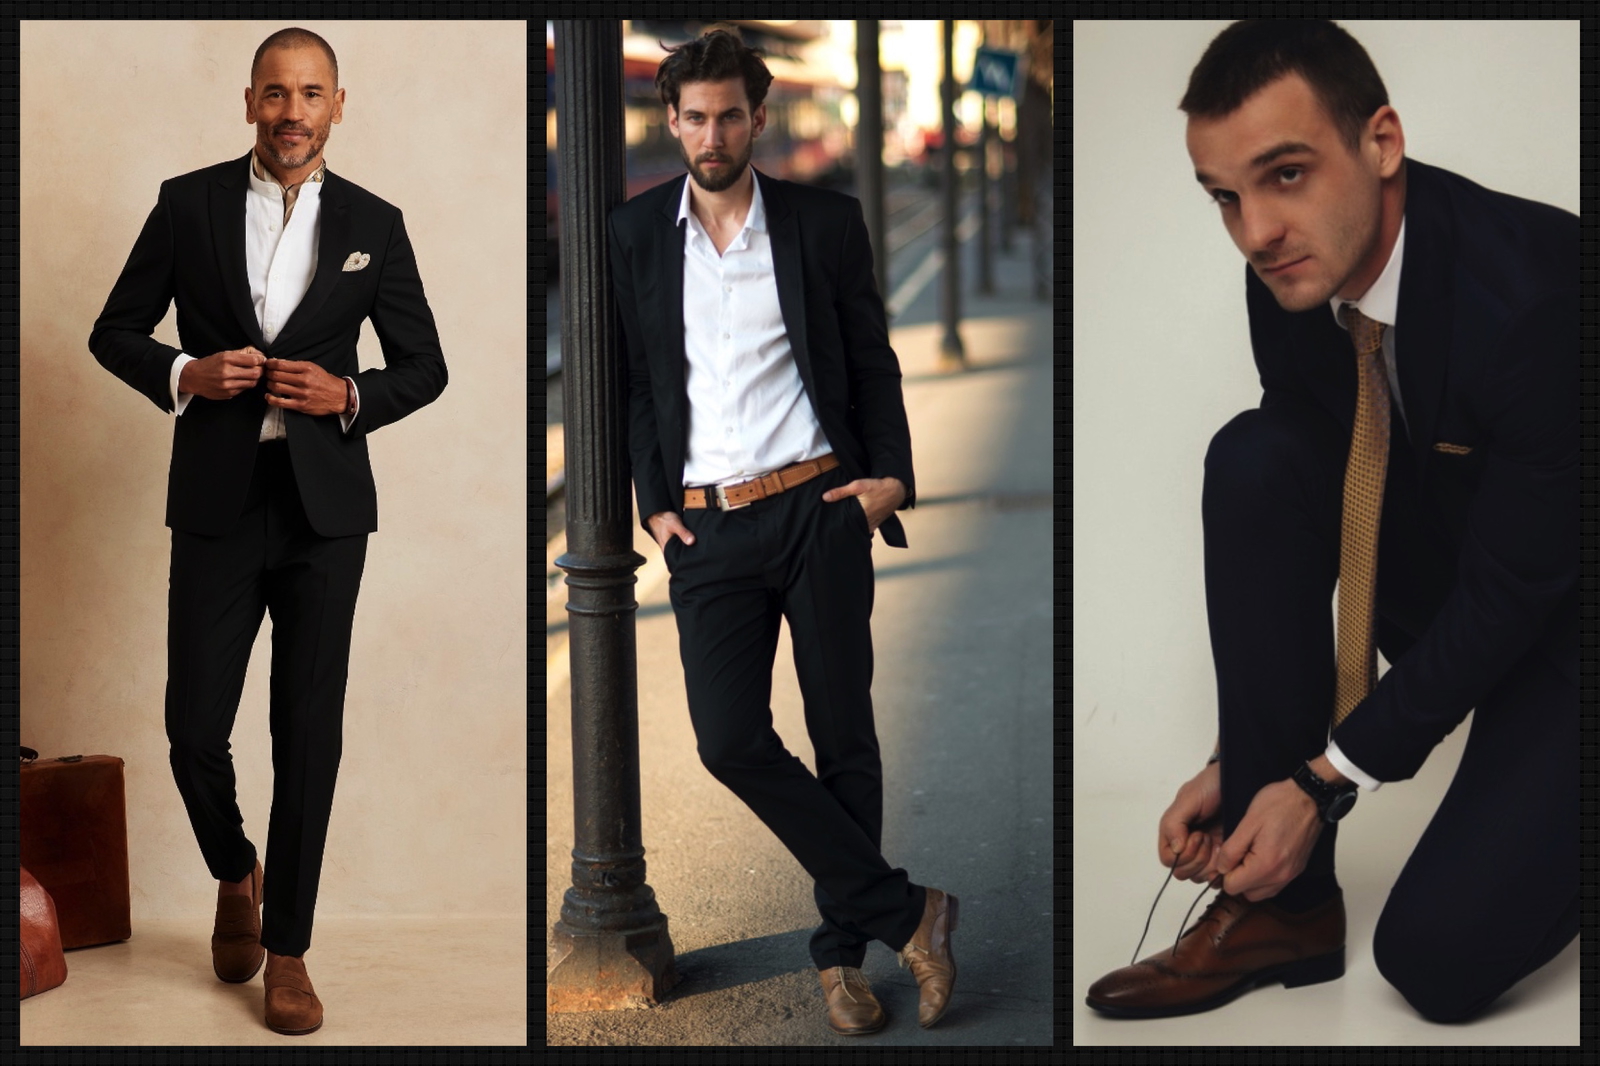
{"type": "Point", "coordinates": [250, 106]}
{"type": "Point", "coordinates": [338, 106]}
{"type": "Point", "coordinates": [758, 120]}
{"type": "Point", "coordinates": [672, 120]}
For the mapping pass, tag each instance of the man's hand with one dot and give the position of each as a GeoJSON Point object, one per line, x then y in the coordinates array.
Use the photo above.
{"type": "Point", "coordinates": [1271, 845]}
{"type": "Point", "coordinates": [305, 387]}
{"type": "Point", "coordinates": [666, 524]}
{"type": "Point", "coordinates": [879, 497]}
{"type": "Point", "coordinates": [223, 375]}
{"type": "Point", "coordinates": [1191, 828]}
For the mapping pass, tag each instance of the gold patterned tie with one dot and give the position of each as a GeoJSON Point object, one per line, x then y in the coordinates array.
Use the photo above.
{"type": "Point", "coordinates": [1363, 504]}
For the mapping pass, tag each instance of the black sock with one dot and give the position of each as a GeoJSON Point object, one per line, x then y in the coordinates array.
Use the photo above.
{"type": "Point", "coordinates": [1305, 892]}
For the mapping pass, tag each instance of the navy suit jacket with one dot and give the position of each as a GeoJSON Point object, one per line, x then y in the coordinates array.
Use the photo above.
{"type": "Point", "coordinates": [1487, 358]}
{"type": "Point", "coordinates": [192, 250]}
{"type": "Point", "coordinates": [831, 309]}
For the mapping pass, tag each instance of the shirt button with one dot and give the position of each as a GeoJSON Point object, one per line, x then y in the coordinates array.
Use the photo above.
{"type": "Point", "coordinates": [727, 288]}
{"type": "Point", "coordinates": [724, 336]}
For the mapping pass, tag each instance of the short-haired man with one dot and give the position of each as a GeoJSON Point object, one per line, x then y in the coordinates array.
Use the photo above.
{"type": "Point", "coordinates": [274, 262]}
{"type": "Point", "coordinates": [1417, 444]}
{"type": "Point", "coordinates": [769, 441]}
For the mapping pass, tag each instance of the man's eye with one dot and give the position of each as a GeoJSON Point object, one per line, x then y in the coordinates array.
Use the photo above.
{"type": "Point", "coordinates": [1291, 175]}
{"type": "Point", "coordinates": [1221, 197]}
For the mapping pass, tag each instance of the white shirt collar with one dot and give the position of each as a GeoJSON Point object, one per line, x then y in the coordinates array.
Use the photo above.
{"type": "Point", "coordinates": [1381, 301]}
{"type": "Point", "coordinates": [754, 220]}
{"type": "Point", "coordinates": [262, 181]}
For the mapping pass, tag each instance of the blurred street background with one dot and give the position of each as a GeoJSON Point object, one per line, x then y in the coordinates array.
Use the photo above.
{"type": "Point", "coordinates": [962, 624]}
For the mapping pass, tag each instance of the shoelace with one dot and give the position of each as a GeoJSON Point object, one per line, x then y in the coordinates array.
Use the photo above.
{"type": "Point", "coordinates": [1152, 914]}
{"type": "Point", "coordinates": [845, 973]}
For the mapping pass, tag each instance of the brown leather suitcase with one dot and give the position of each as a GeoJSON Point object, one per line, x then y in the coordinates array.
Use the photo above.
{"type": "Point", "coordinates": [75, 841]}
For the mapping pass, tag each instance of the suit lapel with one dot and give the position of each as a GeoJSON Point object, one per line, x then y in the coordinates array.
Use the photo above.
{"type": "Point", "coordinates": [669, 268]}
{"type": "Point", "coordinates": [1424, 332]}
{"type": "Point", "coordinates": [332, 249]}
{"type": "Point", "coordinates": [227, 235]}
{"type": "Point", "coordinates": [783, 227]}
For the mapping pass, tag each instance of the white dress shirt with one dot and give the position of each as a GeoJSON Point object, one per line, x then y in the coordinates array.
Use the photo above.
{"type": "Point", "coordinates": [281, 229]}
{"type": "Point", "coordinates": [1381, 303]}
{"type": "Point", "coordinates": [748, 410]}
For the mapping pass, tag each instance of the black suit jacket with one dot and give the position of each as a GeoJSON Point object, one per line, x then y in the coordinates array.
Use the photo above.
{"type": "Point", "coordinates": [192, 249]}
{"type": "Point", "coordinates": [831, 309]}
{"type": "Point", "coordinates": [1487, 358]}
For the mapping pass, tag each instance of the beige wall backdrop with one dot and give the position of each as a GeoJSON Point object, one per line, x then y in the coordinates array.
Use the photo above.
{"type": "Point", "coordinates": [430, 811]}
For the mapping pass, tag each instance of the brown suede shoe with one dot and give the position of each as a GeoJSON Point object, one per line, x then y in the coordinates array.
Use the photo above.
{"type": "Point", "coordinates": [928, 955]}
{"type": "Point", "coordinates": [1233, 947]}
{"type": "Point", "coordinates": [852, 1008]}
{"type": "Point", "coordinates": [293, 1008]}
{"type": "Point", "coordinates": [236, 952]}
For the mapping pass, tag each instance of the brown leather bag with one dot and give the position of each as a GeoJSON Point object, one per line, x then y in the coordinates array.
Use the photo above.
{"type": "Point", "coordinates": [75, 840]}
{"type": "Point", "coordinates": [43, 964]}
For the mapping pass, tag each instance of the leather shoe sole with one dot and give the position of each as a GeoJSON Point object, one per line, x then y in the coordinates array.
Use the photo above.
{"type": "Point", "coordinates": [1313, 971]}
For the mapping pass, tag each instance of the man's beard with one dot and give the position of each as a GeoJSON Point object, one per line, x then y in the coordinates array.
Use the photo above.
{"type": "Point", "coordinates": [313, 145]}
{"type": "Point", "coordinates": [724, 176]}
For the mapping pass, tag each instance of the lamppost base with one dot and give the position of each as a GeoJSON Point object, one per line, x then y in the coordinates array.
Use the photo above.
{"type": "Point", "coordinates": [608, 970]}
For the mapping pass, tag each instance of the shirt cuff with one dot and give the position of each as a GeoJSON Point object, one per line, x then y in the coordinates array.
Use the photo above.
{"type": "Point", "coordinates": [349, 417]}
{"type": "Point", "coordinates": [180, 400]}
{"type": "Point", "coordinates": [1341, 762]}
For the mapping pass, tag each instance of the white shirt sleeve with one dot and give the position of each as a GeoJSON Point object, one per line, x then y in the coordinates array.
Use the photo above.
{"type": "Point", "coordinates": [1342, 763]}
{"type": "Point", "coordinates": [349, 417]}
{"type": "Point", "coordinates": [180, 400]}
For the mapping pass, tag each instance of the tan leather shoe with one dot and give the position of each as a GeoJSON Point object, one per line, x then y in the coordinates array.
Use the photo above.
{"type": "Point", "coordinates": [928, 955]}
{"type": "Point", "coordinates": [236, 952]}
{"type": "Point", "coordinates": [293, 1008]}
{"type": "Point", "coordinates": [1233, 947]}
{"type": "Point", "coordinates": [852, 1008]}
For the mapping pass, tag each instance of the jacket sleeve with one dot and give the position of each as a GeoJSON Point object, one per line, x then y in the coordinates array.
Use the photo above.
{"type": "Point", "coordinates": [1519, 558]}
{"type": "Point", "coordinates": [413, 374]}
{"type": "Point", "coordinates": [121, 338]}
{"type": "Point", "coordinates": [644, 442]}
{"type": "Point", "coordinates": [874, 370]}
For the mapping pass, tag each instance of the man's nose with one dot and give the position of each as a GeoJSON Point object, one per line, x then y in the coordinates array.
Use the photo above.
{"type": "Point", "coordinates": [1261, 227]}
{"type": "Point", "coordinates": [713, 135]}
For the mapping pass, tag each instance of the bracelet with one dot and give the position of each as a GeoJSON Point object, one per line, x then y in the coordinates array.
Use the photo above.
{"type": "Point", "coordinates": [349, 396]}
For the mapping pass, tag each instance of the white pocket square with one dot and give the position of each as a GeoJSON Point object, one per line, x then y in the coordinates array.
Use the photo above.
{"type": "Point", "coordinates": [357, 261]}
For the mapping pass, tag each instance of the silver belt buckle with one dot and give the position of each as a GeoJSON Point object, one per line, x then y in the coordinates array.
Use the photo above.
{"type": "Point", "coordinates": [724, 505]}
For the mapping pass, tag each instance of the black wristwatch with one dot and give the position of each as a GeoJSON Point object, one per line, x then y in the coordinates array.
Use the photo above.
{"type": "Point", "coordinates": [1333, 801]}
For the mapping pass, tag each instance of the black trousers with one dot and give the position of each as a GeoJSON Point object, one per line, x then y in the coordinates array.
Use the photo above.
{"type": "Point", "coordinates": [1490, 893]}
{"type": "Point", "coordinates": [794, 556]}
{"type": "Point", "coordinates": [272, 561]}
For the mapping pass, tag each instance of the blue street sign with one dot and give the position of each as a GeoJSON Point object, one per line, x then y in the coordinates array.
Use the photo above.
{"type": "Point", "coordinates": [994, 72]}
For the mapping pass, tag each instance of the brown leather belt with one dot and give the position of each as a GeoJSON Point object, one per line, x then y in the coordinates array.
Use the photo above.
{"type": "Point", "coordinates": [733, 497]}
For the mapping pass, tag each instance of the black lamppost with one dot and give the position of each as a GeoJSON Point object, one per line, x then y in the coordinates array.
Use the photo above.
{"type": "Point", "coordinates": [610, 948]}
{"type": "Point", "coordinates": [952, 353]}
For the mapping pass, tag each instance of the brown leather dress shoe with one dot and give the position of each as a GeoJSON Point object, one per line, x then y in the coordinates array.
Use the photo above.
{"type": "Point", "coordinates": [293, 1008]}
{"type": "Point", "coordinates": [852, 1008]}
{"type": "Point", "coordinates": [1233, 947]}
{"type": "Point", "coordinates": [928, 955]}
{"type": "Point", "coordinates": [236, 951]}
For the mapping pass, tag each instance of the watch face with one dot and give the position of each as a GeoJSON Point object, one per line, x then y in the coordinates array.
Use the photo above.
{"type": "Point", "coordinates": [1340, 806]}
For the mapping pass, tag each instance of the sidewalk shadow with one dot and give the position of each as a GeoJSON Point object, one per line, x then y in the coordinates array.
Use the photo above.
{"type": "Point", "coordinates": [741, 962]}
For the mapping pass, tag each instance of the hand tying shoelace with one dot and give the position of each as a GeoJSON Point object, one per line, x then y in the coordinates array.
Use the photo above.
{"type": "Point", "coordinates": [1152, 914]}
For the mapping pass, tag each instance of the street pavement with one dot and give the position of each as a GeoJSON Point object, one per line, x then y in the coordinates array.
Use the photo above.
{"type": "Point", "coordinates": [962, 631]}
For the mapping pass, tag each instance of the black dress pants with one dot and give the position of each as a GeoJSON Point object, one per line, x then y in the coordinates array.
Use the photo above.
{"type": "Point", "coordinates": [271, 561]}
{"type": "Point", "coordinates": [795, 556]}
{"type": "Point", "coordinates": [1490, 893]}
